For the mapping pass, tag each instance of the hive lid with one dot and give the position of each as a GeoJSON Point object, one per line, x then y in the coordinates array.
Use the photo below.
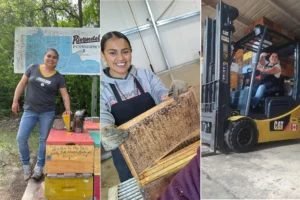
{"type": "Point", "coordinates": [96, 137]}
{"type": "Point", "coordinates": [60, 137]}
{"type": "Point", "coordinates": [88, 125]}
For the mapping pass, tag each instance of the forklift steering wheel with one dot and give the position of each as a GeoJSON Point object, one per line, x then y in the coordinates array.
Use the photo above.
{"type": "Point", "coordinates": [257, 72]}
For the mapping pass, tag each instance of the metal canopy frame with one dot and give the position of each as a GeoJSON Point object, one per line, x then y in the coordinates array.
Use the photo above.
{"type": "Point", "coordinates": [251, 41]}
{"type": "Point", "coordinates": [161, 22]}
{"type": "Point", "coordinates": [264, 37]}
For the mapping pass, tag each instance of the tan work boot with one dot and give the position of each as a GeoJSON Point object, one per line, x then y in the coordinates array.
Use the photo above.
{"type": "Point", "coordinates": [27, 172]}
{"type": "Point", "coordinates": [38, 173]}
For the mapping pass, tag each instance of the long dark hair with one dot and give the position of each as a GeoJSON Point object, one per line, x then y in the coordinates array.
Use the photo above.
{"type": "Point", "coordinates": [110, 35]}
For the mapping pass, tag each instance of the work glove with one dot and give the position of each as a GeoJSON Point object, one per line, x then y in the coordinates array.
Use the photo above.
{"type": "Point", "coordinates": [112, 138]}
{"type": "Point", "coordinates": [178, 87]}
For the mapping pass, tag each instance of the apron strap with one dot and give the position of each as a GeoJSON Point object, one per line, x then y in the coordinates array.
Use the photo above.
{"type": "Point", "coordinates": [116, 93]}
{"type": "Point", "coordinates": [139, 86]}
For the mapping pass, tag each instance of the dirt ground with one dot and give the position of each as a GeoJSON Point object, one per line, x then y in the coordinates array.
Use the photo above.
{"type": "Point", "coordinates": [12, 185]}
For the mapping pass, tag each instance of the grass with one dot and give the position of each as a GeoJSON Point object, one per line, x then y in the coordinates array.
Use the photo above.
{"type": "Point", "coordinates": [9, 153]}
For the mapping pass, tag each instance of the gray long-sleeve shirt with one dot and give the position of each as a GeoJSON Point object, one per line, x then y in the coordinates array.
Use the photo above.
{"type": "Point", "coordinates": [148, 80]}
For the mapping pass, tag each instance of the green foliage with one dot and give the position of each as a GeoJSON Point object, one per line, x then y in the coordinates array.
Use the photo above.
{"type": "Point", "coordinates": [12, 14]}
{"type": "Point", "coordinates": [8, 82]}
{"type": "Point", "coordinates": [80, 91]}
{"type": "Point", "coordinates": [91, 13]}
{"type": "Point", "coordinates": [43, 13]}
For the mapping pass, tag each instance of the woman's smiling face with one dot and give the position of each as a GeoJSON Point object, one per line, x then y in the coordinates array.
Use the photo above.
{"type": "Point", "coordinates": [50, 59]}
{"type": "Point", "coordinates": [117, 54]}
{"type": "Point", "coordinates": [274, 58]}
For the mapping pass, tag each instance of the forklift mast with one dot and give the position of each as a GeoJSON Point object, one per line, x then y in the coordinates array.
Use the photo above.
{"type": "Point", "coordinates": [216, 75]}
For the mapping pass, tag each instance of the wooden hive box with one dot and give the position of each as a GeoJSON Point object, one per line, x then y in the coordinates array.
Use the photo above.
{"type": "Point", "coordinates": [157, 132]}
{"type": "Point", "coordinates": [89, 125]}
{"type": "Point", "coordinates": [69, 188]}
{"type": "Point", "coordinates": [69, 153]}
{"type": "Point", "coordinates": [95, 134]}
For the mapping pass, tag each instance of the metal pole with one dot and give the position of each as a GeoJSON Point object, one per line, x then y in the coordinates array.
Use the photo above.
{"type": "Point", "coordinates": [94, 97]}
{"type": "Point", "coordinates": [140, 36]}
{"type": "Point", "coordinates": [157, 34]}
{"type": "Point", "coordinates": [254, 69]}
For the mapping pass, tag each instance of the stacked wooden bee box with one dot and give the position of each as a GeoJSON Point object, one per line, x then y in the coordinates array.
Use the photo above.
{"type": "Point", "coordinates": [153, 136]}
{"type": "Point", "coordinates": [69, 166]}
{"type": "Point", "coordinates": [93, 130]}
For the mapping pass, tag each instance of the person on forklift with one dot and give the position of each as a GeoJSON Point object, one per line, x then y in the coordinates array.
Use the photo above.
{"type": "Point", "coordinates": [270, 73]}
{"type": "Point", "coordinates": [126, 92]}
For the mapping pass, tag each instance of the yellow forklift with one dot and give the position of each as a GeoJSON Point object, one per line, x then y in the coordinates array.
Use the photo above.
{"type": "Point", "coordinates": [227, 119]}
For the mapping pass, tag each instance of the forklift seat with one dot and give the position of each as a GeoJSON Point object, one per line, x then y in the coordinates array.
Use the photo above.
{"type": "Point", "coordinates": [276, 106]}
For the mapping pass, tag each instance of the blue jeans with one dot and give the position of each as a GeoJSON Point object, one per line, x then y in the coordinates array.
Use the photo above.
{"type": "Point", "coordinates": [28, 122]}
{"type": "Point", "coordinates": [258, 95]}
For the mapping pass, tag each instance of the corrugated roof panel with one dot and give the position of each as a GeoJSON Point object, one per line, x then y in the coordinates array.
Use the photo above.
{"type": "Point", "coordinates": [238, 4]}
{"type": "Point", "coordinates": [272, 14]}
{"type": "Point", "coordinates": [287, 3]}
{"type": "Point", "coordinates": [259, 13]}
{"type": "Point", "coordinates": [251, 12]}
{"type": "Point", "coordinates": [247, 6]}
{"type": "Point", "coordinates": [277, 11]}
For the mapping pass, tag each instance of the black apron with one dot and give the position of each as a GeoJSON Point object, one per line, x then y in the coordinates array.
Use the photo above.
{"type": "Point", "coordinates": [269, 80]}
{"type": "Point", "coordinates": [124, 111]}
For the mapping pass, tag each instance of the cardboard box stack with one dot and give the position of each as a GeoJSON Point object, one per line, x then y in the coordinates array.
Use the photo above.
{"type": "Point", "coordinates": [287, 66]}
{"type": "Point", "coordinates": [266, 22]}
{"type": "Point", "coordinates": [235, 66]}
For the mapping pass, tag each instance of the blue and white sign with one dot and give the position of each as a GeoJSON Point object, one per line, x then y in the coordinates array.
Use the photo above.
{"type": "Point", "coordinates": [78, 48]}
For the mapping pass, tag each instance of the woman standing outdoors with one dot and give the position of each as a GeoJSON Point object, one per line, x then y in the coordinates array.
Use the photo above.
{"type": "Point", "coordinates": [126, 92]}
{"type": "Point", "coordinates": [43, 83]}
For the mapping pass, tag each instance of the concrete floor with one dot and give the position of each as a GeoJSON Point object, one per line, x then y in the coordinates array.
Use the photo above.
{"type": "Point", "coordinates": [271, 171]}
{"type": "Point", "coordinates": [189, 73]}
{"type": "Point", "coordinates": [109, 177]}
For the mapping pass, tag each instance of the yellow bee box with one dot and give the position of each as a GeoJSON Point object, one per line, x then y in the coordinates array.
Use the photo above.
{"type": "Point", "coordinates": [69, 188]}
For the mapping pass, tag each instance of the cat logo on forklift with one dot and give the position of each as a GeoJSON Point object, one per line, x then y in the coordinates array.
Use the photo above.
{"type": "Point", "coordinates": [280, 124]}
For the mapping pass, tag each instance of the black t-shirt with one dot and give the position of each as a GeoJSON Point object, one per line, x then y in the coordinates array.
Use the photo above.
{"type": "Point", "coordinates": [42, 90]}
